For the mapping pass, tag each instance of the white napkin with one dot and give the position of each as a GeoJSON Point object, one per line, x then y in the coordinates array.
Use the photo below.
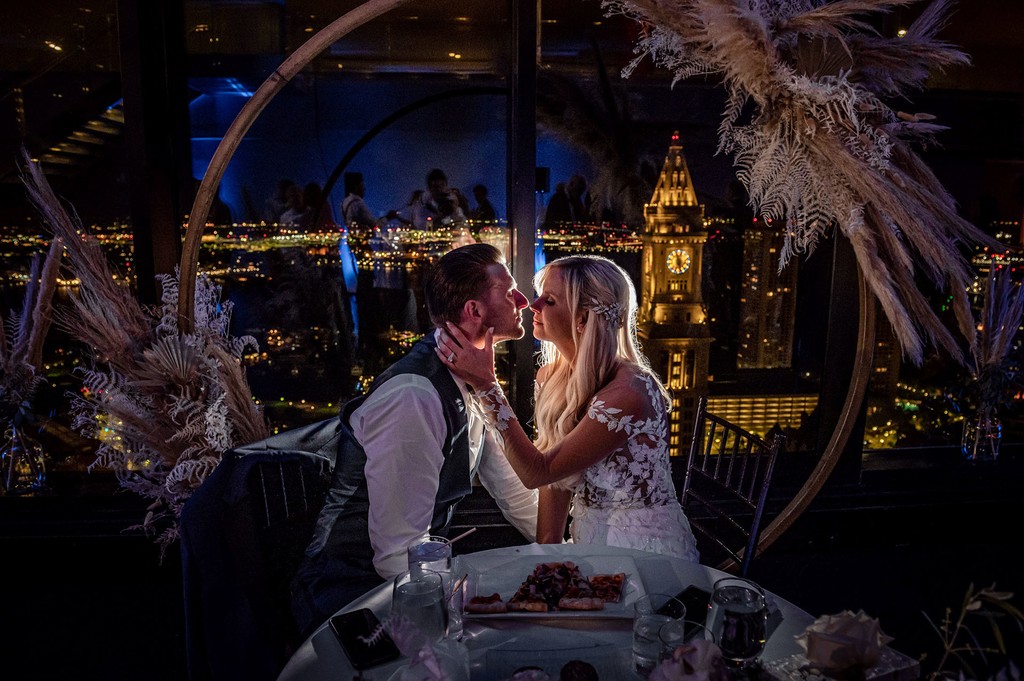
{"type": "Point", "coordinates": [840, 643]}
{"type": "Point", "coordinates": [447, 661]}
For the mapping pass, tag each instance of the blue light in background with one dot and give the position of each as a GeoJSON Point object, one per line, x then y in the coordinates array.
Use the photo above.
{"type": "Point", "coordinates": [292, 140]}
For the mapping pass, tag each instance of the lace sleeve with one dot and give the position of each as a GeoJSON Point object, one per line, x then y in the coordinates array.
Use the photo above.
{"type": "Point", "coordinates": [496, 410]}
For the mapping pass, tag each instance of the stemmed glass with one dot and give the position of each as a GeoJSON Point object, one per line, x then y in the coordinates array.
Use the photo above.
{"type": "Point", "coordinates": [738, 620]}
{"type": "Point", "coordinates": [420, 599]}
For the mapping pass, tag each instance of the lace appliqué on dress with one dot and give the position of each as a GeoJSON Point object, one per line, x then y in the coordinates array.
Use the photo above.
{"type": "Point", "coordinates": [637, 474]}
{"type": "Point", "coordinates": [496, 410]}
{"type": "Point", "coordinates": [628, 499]}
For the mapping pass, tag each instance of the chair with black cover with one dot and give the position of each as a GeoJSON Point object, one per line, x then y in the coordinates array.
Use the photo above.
{"type": "Point", "coordinates": [243, 535]}
{"type": "Point", "coordinates": [728, 473]}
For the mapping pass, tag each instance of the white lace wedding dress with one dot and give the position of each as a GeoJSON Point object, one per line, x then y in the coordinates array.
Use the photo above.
{"type": "Point", "coordinates": [628, 499]}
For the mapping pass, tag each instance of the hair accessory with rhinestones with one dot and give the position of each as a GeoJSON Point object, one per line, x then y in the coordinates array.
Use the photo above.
{"type": "Point", "coordinates": [612, 313]}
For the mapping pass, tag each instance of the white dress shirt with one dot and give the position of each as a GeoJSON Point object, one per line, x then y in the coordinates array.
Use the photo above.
{"type": "Point", "coordinates": [402, 429]}
{"type": "Point", "coordinates": [355, 211]}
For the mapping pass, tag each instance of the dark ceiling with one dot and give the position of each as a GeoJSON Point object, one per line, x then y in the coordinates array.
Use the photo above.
{"type": "Point", "coordinates": [422, 36]}
{"type": "Point", "coordinates": [60, 63]}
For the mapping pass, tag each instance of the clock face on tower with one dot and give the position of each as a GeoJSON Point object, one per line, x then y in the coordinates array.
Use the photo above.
{"type": "Point", "coordinates": [678, 261]}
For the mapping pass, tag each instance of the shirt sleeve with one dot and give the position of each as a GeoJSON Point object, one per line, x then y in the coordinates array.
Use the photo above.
{"type": "Point", "coordinates": [402, 428]}
{"type": "Point", "coordinates": [517, 503]}
{"type": "Point", "coordinates": [364, 215]}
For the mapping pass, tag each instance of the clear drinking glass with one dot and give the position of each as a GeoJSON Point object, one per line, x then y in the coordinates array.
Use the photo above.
{"type": "Point", "coordinates": [680, 632]}
{"type": "Point", "coordinates": [650, 613]}
{"type": "Point", "coordinates": [455, 592]}
{"type": "Point", "coordinates": [432, 553]}
{"type": "Point", "coordinates": [738, 619]}
{"type": "Point", "coordinates": [435, 554]}
{"type": "Point", "coordinates": [420, 598]}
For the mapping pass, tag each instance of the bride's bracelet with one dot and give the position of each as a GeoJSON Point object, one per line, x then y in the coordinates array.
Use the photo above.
{"type": "Point", "coordinates": [497, 411]}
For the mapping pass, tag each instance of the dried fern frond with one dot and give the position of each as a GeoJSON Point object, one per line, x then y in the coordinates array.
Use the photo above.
{"type": "Point", "coordinates": [171, 359]}
{"type": "Point", "coordinates": [23, 322]}
{"type": "Point", "coordinates": [821, 151]}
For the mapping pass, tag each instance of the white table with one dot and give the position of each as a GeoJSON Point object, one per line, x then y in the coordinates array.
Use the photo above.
{"type": "Point", "coordinates": [492, 642]}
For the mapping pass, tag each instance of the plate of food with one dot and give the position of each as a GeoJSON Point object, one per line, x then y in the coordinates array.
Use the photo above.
{"type": "Point", "coordinates": [595, 586]}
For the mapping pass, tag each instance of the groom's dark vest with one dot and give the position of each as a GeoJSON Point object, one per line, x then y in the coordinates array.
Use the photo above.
{"type": "Point", "coordinates": [338, 565]}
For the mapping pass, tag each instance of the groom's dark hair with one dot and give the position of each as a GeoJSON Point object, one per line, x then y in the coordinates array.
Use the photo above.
{"type": "Point", "coordinates": [460, 275]}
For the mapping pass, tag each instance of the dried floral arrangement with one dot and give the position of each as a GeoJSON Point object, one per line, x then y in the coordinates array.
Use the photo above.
{"type": "Point", "coordinates": [168, 404]}
{"type": "Point", "coordinates": [22, 463]}
{"type": "Point", "coordinates": [994, 373]}
{"type": "Point", "coordinates": [815, 144]}
{"type": "Point", "coordinates": [22, 335]}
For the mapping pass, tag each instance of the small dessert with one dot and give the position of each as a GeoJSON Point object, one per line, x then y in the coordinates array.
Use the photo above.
{"type": "Point", "coordinates": [578, 670]}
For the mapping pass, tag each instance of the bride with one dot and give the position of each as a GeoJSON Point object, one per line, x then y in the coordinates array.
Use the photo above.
{"type": "Point", "coordinates": [601, 414]}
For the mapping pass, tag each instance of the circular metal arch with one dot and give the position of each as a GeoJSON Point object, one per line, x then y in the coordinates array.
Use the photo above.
{"type": "Point", "coordinates": [299, 60]}
{"type": "Point", "coordinates": [859, 378]}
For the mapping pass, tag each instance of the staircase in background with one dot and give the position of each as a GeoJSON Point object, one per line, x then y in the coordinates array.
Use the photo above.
{"type": "Point", "coordinates": [83, 145]}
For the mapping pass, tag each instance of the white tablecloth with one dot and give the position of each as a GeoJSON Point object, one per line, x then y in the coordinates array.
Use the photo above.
{"type": "Point", "coordinates": [494, 644]}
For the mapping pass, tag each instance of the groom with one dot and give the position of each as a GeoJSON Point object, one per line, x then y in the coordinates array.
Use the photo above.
{"type": "Point", "coordinates": [410, 447]}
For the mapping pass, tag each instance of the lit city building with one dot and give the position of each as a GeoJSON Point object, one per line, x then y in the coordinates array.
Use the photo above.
{"type": "Point", "coordinates": [767, 300]}
{"type": "Point", "coordinates": [672, 323]}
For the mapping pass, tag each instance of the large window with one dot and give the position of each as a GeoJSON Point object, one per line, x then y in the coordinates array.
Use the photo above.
{"type": "Point", "coordinates": [332, 301]}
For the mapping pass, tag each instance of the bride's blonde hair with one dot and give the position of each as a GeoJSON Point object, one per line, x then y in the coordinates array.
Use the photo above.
{"type": "Point", "coordinates": [603, 290]}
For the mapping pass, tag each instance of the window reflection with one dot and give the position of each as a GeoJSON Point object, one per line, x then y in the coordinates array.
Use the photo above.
{"type": "Point", "coordinates": [333, 304]}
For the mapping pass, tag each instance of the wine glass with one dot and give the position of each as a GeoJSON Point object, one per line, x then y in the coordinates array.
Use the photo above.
{"type": "Point", "coordinates": [420, 599]}
{"type": "Point", "coordinates": [738, 620]}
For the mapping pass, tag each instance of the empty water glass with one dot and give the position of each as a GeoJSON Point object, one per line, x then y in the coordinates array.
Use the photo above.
{"type": "Point", "coordinates": [681, 632]}
{"type": "Point", "coordinates": [420, 598]}
{"type": "Point", "coordinates": [435, 554]}
{"type": "Point", "coordinates": [432, 553]}
{"type": "Point", "coordinates": [650, 613]}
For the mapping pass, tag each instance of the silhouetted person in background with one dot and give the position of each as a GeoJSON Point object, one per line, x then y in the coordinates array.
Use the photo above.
{"type": "Point", "coordinates": [439, 205]}
{"type": "Point", "coordinates": [318, 212]}
{"type": "Point", "coordinates": [354, 211]}
{"type": "Point", "coordinates": [484, 211]}
{"type": "Point", "coordinates": [568, 203]}
{"type": "Point", "coordinates": [296, 211]}
{"type": "Point", "coordinates": [277, 204]}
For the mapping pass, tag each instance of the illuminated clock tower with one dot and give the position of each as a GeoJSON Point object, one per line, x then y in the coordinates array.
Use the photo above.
{"type": "Point", "coordinates": [673, 329]}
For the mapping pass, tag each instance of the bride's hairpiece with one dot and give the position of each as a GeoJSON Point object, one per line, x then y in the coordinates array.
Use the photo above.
{"type": "Point", "coordinates": [612, 313]}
